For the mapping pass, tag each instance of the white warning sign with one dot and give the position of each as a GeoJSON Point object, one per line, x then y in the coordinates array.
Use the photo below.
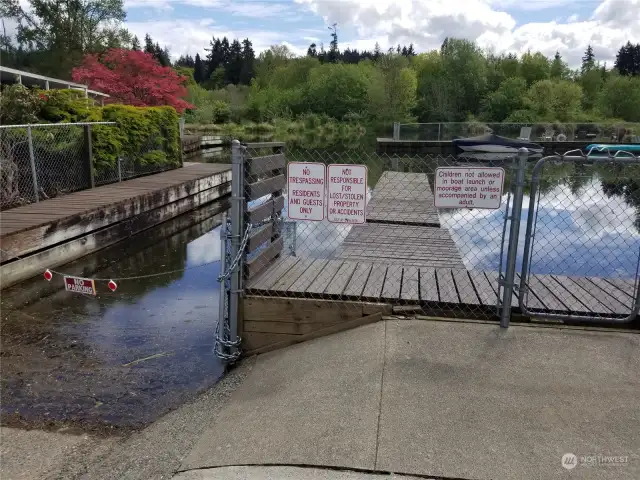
{"type": "Point", "coordinates": [347, 193]}
{"type": "Point", "coordinates": [306, 191]}
{"type": "Point", "coordinates": [462, 187]}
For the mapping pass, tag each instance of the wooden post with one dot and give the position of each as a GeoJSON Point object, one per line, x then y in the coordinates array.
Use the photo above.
{"type": "Point", "coordinates": [88, 156]}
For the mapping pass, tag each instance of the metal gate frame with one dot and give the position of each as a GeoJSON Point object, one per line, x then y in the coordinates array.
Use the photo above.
{"type": "Point", "coordinates": [622, 158]}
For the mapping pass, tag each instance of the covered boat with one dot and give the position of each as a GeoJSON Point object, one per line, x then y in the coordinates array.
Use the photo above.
{"type": "Point", "coordinates": [613, 148]}
{"type": "Point", "coordinates": [487, 145]}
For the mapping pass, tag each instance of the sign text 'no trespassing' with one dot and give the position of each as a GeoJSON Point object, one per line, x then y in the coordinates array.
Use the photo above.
{"type": "Point", "coordinates": [462, 187]}
{"type": "Point", "coordinates": [306, 192]}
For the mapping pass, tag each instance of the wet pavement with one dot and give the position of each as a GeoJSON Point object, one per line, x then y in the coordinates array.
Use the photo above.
{"type": "Point", "coordinates": [121, 359]}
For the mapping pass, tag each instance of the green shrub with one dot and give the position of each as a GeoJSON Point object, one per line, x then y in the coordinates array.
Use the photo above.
{"type": "Point", "coordinates": [150, 135]}
{"type": "Point", "coordinates": [19, 105]}
{"type": "Point", "coordinates": [66, 106]}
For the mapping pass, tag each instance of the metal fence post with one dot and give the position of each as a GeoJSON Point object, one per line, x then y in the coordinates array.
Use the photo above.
{"type": "Point", "coordinates": [88, 152]}
{"type": "Point", "coordinates": [119, 169]}
{"type": "Point", "coordinates": [237, 230]}
{"type": "Point", "coordinates": [396, 130]}
{"type": "Point", "coordinates": [32, 160]}
{"type": "Point", "coordinates": [181, 127]}
{"type": "Point", "coordinates": [514, 232]}
{"type": "Point", "coordinates": [224, 299]}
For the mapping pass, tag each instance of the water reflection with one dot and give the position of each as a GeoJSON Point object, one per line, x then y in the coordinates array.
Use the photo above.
{"type": "Point", "coordinates": [588, 220]}
{"type": "Point", "coordinates": [65, 356]}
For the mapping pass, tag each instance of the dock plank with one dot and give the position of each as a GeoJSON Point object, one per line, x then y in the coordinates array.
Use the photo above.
{"type": "Point", "coordinates": [295, 272]}
{"type": "Point", "coordinates": [486, 294]}
{"type": "Point", "coordinates": [565, 297]}
{"type": "Point", "coordinates": [410, 284]}
{"type": "Point", "coordinates": [592, 290]}
{"type": "Point", "coordinates": [532, 300]}
{"type": "Point", "coordinates": [269, 277]}
{"type": "Point", "coordinates": [591, 304]}
{"type": "Point", "coordinates": [465, 289]}
{"type": "Point", "coordinates": [545, 296]}
{"type": "Point", "coordinates": [446, 286]}
{"type": "Point", "coordinates": [612, 291]}
{"type": "Point", "coordinates": [359, 279]}
{"type": "Point", "coordinates": [324, 277]}
{"type": "Point", "coordinates": [392, 283]}
{"type": "Point", "coordinates": [305, 280]}
{"type": "Point", "coordinates": [428, 285]}
{"type": "Point", "coordinates": [375, 282]}
{"type": "Point", "coordinates": [341, 279]}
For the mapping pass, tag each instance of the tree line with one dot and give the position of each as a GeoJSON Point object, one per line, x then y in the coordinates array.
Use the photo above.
{"type": "Point", "coordinates": [457, 82]}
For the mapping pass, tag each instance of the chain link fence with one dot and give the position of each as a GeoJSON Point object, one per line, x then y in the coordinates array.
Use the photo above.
{"type": "Point", "coordinates": [353, 225]}
{"type": "Point", "coordinates": [42, 161]}
{"type": "Point", "coordinates": [581, 247]}
{"type": "Point", "coordinates": [435, 235]}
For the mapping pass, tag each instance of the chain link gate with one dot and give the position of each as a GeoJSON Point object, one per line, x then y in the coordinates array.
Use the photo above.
{"type": "Point", "coordinates": [590, 296]}
{"type": "Point", "coordinates": [407, 258]}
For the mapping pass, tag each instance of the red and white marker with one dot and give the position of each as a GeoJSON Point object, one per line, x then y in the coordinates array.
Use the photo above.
{"type": "Point", "coordinates": [112, 285]}
{"type": "Point", "coordinates": [48, 275]}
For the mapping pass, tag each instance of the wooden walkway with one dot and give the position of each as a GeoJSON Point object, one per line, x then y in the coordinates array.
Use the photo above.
{"type": "Point", "coordinates": [458, 290]}
{"type": "Point", "coordinates": [406, 245]}
{"type": "Point", "coordinates": [402, 198]}
{"type": "Point", "coordinates": [53, 210]}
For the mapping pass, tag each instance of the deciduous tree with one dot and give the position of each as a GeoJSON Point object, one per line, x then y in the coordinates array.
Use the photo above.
{"type": "Point", "coordinates": [133, 78]}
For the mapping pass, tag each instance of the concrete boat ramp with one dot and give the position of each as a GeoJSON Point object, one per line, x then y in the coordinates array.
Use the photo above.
{"type": "Point", "coordinates": [435, 399]}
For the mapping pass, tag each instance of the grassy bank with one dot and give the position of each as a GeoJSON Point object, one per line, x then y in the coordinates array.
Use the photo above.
{"type": "Point", "coordinates": [307, 133]}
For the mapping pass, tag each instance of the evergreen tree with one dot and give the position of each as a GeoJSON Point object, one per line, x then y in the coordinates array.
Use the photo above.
{"type": "Point", "coordinates": [334, 53]}
{"type": "Point", "coordinates": [588, 61]}
{"type": "Point", "coordinates": [410, 51]}
{"type": "Point", "coordinates": [233, 67]}
{"type": "Point", "coordinates": [198, 69]}
{"type": "Point", "coordinates": [248, 62]}
{"type": "Point", "coordinates": [312, 51]}
{"type": "Point", "coordinates": [135, 43]}
{"type": "Point", "coordinates": [215, 57]}
{"type": "Point", "coordinates": [377, 51]}
{"type": "Point", "coordinates": [149, 47]}
{"type": "Point", "coordinates": [558, 68]}
{"type": "Point", "coordinates": [628, 59]}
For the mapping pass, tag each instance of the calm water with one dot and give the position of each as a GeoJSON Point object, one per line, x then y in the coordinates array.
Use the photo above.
{"type": "Point", "coordinates": [68, 357]}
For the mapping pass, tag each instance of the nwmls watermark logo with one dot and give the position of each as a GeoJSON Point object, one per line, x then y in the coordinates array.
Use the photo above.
{"type": "Point", "coordinates": [571, 461]}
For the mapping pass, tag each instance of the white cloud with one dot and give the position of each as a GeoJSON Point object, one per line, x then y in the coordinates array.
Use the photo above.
{"type": "Point", "coordinates": [184, 36]}
{"type": "Point", "coordinates": [427, 23]}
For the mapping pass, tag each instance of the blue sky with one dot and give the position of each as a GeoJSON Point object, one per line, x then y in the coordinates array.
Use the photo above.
{"type": "Point", "coordinates": [500, 25]}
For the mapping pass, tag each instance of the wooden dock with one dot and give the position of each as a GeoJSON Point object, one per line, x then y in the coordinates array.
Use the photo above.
{"type": "Point", "coordinates": [56, 231]}
{"type": "Point", "coordinates": [403, 199]}
{"type": "Point", "coordinates": [458, 291]}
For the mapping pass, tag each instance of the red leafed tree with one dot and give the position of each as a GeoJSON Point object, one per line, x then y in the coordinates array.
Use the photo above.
{"type": "Point", "coordinates": [134, 78]}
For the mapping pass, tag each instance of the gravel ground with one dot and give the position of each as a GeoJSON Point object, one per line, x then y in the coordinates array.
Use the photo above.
{"type": "Point", "coordinates": [153, 453]}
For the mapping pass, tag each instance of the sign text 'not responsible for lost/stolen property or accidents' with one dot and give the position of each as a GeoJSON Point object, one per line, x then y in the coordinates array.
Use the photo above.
{"type": "Point", "coordinates": [80, 285]}
{"type": "Point", "coordinates": [462, 187]}
{"type": "Point", "coordinates": [306, 191]}
{"type": "Point", "coordinates": [347, 193]}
